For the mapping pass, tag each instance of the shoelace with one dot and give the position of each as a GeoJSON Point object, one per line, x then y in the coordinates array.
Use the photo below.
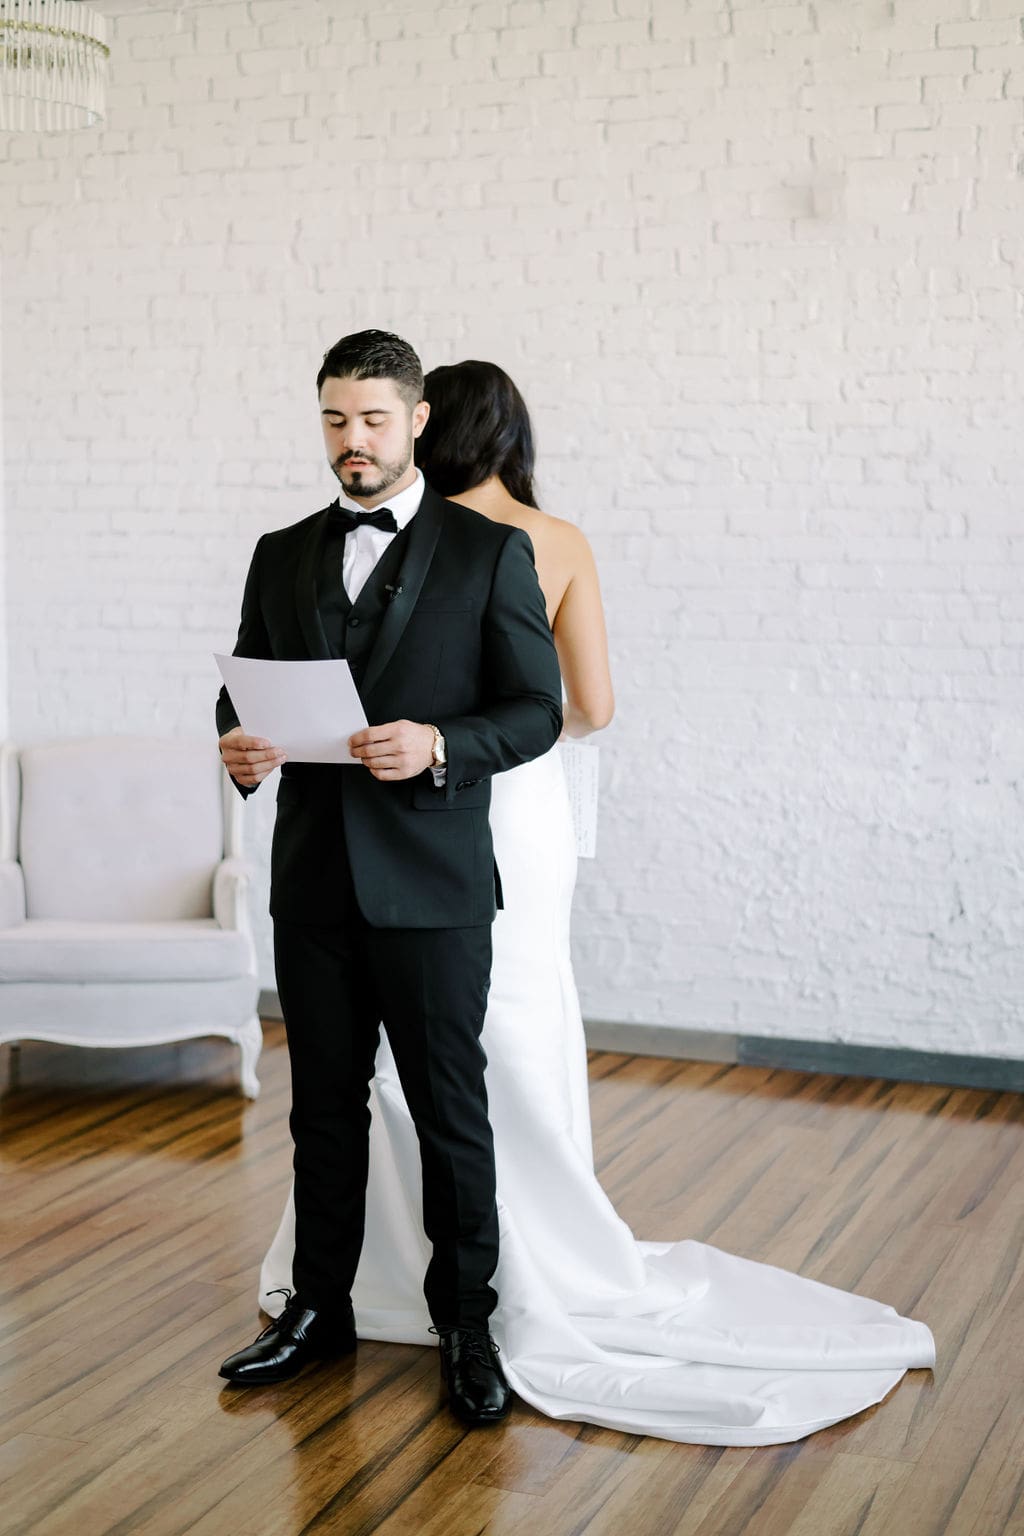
{"type": "Point", "coordinates": [473, 1345]}
{"type": "Point", "coordinates": [287, 1313]}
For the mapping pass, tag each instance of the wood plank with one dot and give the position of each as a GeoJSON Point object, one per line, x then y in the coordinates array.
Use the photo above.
{"type": "Point", "coordinates": [675, 1495]}
{"type": "Point", "coordinates": [140, 1197]}
{"type": "Point", "coordinates": [855, 1494]}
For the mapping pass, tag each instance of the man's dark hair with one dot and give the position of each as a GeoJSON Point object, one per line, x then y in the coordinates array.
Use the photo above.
{"type": "Point", "coordinates": [375, 355]}
{"type": "Point", "coordinates": [478, 427]}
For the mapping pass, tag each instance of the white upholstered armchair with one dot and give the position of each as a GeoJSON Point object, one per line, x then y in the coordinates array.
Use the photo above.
{"type": "Point", "coordinates": [123, 917]}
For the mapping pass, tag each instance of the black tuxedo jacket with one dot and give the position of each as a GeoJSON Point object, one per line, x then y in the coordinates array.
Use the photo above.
{"type": "Point", "coordinates": [450, 629]}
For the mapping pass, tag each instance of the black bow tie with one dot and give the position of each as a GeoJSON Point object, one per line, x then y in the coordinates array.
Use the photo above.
{"type": "Point", "coordinates": [345, 521]}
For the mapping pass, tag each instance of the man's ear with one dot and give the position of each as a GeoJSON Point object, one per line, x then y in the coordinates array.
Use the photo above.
{"type": "Point", "coordinates": [420, 413]}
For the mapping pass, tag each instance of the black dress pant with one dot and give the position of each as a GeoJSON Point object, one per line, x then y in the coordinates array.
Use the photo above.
{"type": "Point", "coordinates": [428, 986]}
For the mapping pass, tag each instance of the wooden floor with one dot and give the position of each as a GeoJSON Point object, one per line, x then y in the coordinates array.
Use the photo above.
{"type": "Point", "coordinates": [139, 1192]}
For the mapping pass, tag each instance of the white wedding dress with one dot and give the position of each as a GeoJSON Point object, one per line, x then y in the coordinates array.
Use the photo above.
{"type": "Point", "coordinates": [675, 1339]}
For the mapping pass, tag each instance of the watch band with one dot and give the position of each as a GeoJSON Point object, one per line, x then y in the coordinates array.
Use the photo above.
{"type": "Point", "coordinates": [439, 756]}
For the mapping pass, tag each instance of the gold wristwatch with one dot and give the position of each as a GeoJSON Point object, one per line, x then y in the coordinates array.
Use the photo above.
{"type": "Point", "coordinates": [438, 756]}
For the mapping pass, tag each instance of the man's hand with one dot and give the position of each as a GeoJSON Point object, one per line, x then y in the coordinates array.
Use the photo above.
{"type": "Point", "coordinates": [249, 758]}
{"type": "Point", "coordinates": [400, 750]}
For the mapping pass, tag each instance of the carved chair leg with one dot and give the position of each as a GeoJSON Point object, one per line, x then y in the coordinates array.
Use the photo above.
{"type": "Point", "coordinates": [251, 1042]}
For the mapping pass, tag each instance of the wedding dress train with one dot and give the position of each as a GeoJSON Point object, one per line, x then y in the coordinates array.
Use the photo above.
{"type": "Point", "coordinates": [675, 1339]}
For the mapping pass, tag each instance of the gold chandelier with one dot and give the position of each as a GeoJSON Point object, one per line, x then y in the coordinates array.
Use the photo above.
{"type": "Point", "coordinates": [53, 65]}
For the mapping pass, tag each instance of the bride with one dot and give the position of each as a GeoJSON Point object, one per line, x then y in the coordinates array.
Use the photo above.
{"type": "Point", "coordinates": [676, 1339]}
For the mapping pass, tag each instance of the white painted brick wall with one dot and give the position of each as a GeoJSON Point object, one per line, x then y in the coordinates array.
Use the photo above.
{"type": "Point", "coordinates": [757, 268]}
{"type": "Point", "coordinates": [4, 682]}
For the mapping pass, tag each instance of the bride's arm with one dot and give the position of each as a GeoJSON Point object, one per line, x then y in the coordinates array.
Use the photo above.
{"type": "Point", "coordinates": [581, 641]}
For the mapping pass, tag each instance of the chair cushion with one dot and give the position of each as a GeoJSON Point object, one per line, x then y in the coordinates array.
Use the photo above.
{"type": "Point", "coordinates": [51, 950]}
{"type": "Point", "coordinates": [120, 829]}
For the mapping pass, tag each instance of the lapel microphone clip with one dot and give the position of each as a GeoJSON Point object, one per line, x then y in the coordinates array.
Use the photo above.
{"type": "Point", "coordinates": [393, 591]}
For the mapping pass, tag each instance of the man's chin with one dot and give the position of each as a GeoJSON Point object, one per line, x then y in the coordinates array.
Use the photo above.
{"type": "Point", "coordinates": [361, 488]}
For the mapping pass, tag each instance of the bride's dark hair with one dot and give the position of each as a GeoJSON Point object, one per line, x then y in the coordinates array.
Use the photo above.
{"type": "Point", "coordinates": [479, 426]}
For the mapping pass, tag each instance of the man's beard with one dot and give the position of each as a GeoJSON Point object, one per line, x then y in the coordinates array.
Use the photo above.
{"type": "Point", "coordinates": [362, 485]}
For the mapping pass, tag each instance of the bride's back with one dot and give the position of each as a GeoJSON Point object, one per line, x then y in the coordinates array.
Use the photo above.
{"type": "Point", "coordinates": [478, 435]}
{"type": "Point", "coordinates": [572, 593]}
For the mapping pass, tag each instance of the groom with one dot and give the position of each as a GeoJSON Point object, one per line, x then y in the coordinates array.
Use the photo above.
{"type": "Point", "coordinates": [383, 882]}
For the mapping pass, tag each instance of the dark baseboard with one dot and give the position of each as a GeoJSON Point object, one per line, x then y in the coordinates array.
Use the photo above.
{"type": "Point", "coordinates": [661, 1040]}
{"type": "Point", "coordinates": [996, 1072]}
{"type": "Point", "coordinates": [892, 1062]}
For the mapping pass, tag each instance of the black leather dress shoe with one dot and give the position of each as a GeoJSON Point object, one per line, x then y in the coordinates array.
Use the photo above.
{"type": "Point", "coordinates": [477, 1390]}
{"type": "Point", "coordinates": [300, 1335]}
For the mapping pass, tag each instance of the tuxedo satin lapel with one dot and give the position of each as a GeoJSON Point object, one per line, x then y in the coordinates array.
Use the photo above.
{"type": "Point", "coordinates": [305, 591]}
{"type": "Point", "coordinates": [424, 532]}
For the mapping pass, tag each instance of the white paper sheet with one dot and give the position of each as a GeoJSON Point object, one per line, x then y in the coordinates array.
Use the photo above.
{"type": "Point", "coordinates": [310, 708]}
{"type": "Point", "coordinates": [580, 763]}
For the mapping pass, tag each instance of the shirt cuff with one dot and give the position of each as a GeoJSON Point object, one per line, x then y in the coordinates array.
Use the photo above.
{"type": "Point", "coordinates": [440, 776]}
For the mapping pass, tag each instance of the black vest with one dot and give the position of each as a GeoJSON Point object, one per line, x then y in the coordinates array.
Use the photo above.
{"type": "Point", "coordinates": [351, 628]}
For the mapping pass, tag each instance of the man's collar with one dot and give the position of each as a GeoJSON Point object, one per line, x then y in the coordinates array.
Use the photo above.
{"type": "Point", "coordinates": [405, 505]}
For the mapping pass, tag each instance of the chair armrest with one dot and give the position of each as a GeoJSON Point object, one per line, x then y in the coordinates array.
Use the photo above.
{"type": "Point", "coordinates": [12, 894]}
{"type": "Point", "coordinates": [230, 889]}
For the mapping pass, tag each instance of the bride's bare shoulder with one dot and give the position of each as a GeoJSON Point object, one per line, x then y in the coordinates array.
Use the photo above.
{"type": "Point", "coordinates": [559, 538]}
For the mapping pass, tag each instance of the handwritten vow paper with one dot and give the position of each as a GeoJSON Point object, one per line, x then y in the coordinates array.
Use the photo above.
{"type": "Point", "coordinates": [580, 763]}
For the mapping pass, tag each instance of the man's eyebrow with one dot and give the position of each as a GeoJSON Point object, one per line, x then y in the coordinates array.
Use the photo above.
{"type": "Point", "coordinates": [373, 410]}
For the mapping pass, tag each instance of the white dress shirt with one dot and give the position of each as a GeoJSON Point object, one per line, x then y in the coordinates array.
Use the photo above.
{"type": "Point", "coordinates": [364, 547]}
